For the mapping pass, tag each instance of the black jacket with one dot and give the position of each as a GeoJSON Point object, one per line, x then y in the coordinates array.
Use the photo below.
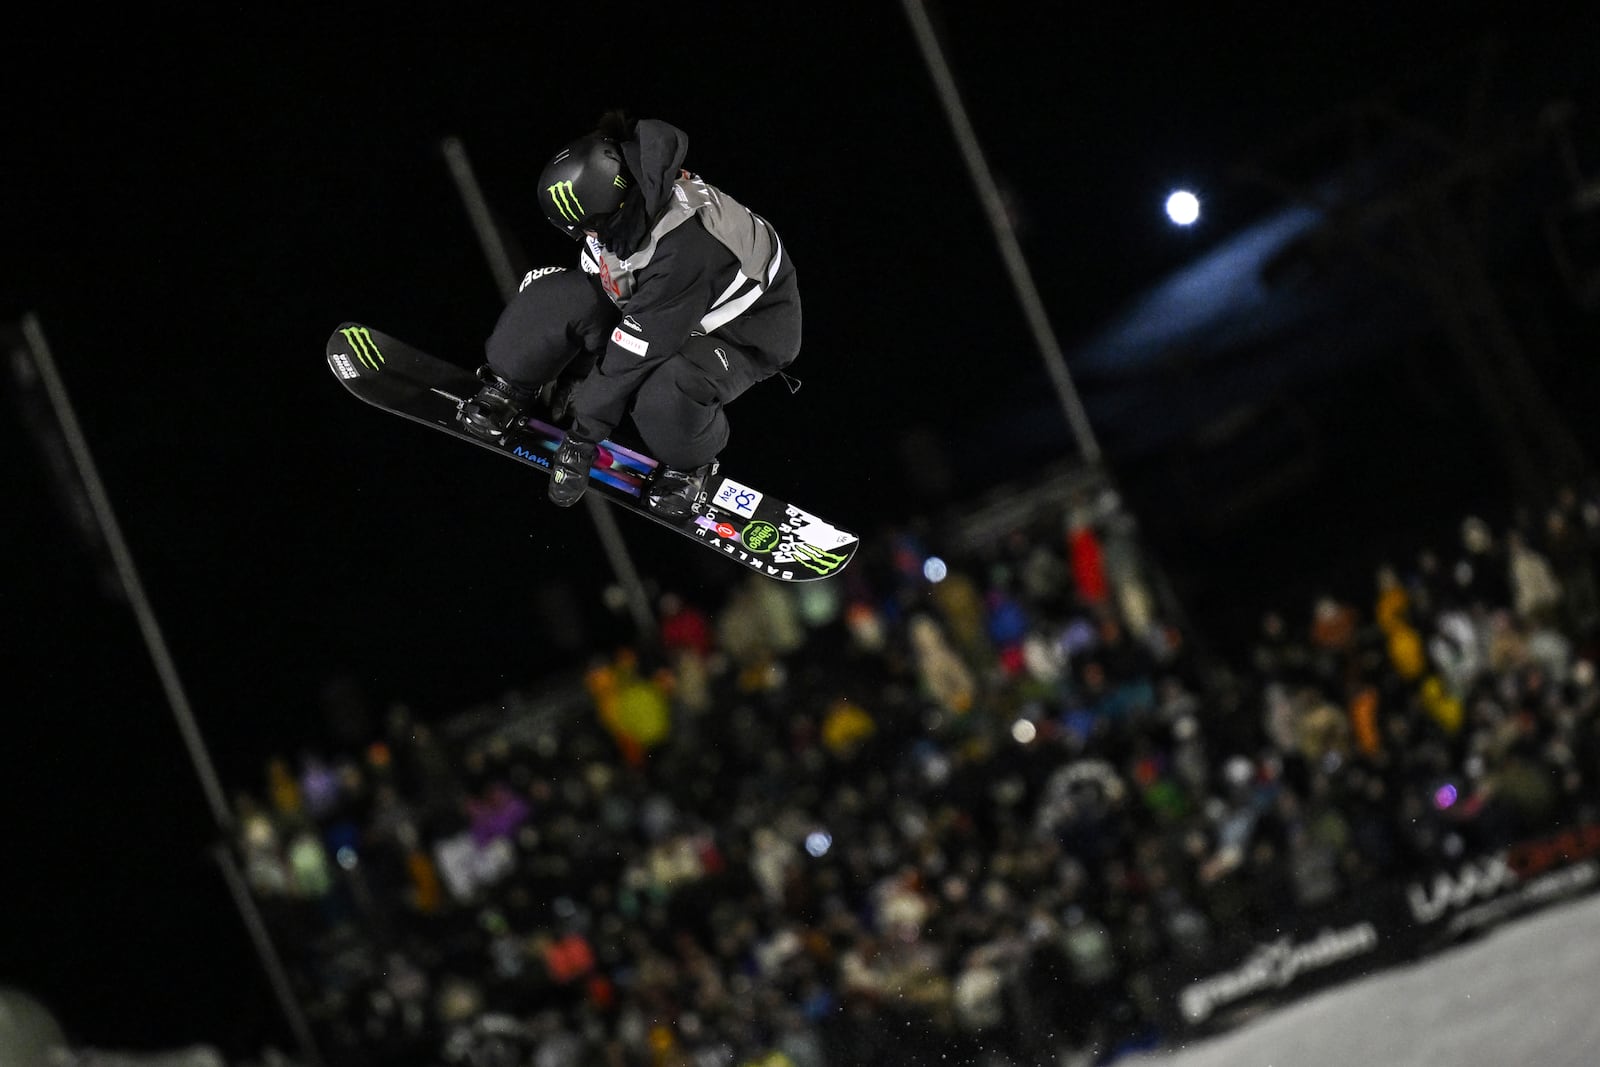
{"type": "Point", "coordinates": [682, 257]}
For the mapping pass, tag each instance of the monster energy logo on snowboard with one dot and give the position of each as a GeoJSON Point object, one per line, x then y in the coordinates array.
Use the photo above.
{"type": "Point", "coordinates": [814, 558]}
{"type": "Point", "coordinates": [362, 344]}
{"type": "Point", "coordinates": [566, 201]}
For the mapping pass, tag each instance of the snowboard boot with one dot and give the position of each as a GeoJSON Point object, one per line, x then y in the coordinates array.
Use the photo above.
{"type": "Point", "coordinates": [673, 493]}
{"type": "Point", "coordinates": [496, 406]}
{"type": "Point", "coordinates": [569, 471]}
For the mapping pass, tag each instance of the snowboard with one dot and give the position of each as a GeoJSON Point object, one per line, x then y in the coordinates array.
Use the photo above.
{"type": "Point", "coordinates": [754, 528]}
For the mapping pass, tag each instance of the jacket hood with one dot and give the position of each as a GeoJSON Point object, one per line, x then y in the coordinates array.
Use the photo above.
{"type": "Point", "coordinates": [654, 153]}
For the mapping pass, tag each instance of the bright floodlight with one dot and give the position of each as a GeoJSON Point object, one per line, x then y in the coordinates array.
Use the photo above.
{"type": "Point", "coordinates": [1183, 207]}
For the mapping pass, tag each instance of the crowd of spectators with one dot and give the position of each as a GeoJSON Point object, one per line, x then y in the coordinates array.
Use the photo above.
{"type": "Point", "coordinates": [952, 806]}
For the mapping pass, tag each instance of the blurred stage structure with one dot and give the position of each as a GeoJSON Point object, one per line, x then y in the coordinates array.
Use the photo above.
{"type": "Point", "coordinates": [1431, 196]}
{"type": "Point", "coordinates": [1399, 311]}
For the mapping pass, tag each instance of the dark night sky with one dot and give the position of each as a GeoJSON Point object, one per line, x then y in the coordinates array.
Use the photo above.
{"type": "Point", "coordinates": [191, 213]}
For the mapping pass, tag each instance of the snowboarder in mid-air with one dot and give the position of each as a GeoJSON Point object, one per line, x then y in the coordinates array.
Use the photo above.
{"type": "Point", "coordinates": [686, 300]}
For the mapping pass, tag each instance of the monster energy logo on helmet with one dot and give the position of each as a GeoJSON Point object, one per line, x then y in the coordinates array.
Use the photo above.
{"type": "Point", "coordinates": [585, 182]}
{"type": "Point", "coordinates": [566, 201]}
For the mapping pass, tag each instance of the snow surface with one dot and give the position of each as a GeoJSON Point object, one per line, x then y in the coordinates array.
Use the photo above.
{"type": "Point", "coordinates": [1526, 995]}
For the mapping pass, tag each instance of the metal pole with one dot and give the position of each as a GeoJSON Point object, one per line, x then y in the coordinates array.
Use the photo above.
{"type": "Point", "coordinates": [1004, 233]}
{"type": "Point", "coordinates": [122, 559]}
{"type": "Point", "coordinates": [1022, 279]}
{"type": "Point", "coordinates": [262, 939]}
{"type": "Point", "coordinates": [483, 224]}
{"type": "Point", "coordinates": [505, 277]}
{"type": "Point", "coordinates": [177, 700]}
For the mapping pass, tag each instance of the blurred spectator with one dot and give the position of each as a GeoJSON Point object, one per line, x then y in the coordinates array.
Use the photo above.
{"type": "Point", "coordinates": [684, 627]}
{"type": "Point", "coordinates": [944, 677]}
{"type": "Point", "coordinates": [1088, 559]}
{"type": "Point", "coordinates": [1536, 595]}
{"type": "Point", "coordinates": [1480, 574]}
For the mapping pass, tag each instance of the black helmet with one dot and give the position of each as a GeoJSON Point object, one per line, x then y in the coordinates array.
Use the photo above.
{"type": "Point", "coordinates": [586, 181]}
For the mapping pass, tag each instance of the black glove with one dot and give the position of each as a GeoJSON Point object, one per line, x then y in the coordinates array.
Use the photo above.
{"type": "Point", "coordinates": [569, 470]}
{"type": "Point", "coordinates": [559, 398]}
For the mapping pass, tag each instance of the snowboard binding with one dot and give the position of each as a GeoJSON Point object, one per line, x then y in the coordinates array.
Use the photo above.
{"type": "Point", "coordinates": [673, 493]}
{"type": "Point", "coordinates": [495, 407]}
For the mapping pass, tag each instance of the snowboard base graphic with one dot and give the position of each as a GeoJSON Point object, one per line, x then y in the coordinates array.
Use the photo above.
{"type": "Point", "coordinates": [751, 527]}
